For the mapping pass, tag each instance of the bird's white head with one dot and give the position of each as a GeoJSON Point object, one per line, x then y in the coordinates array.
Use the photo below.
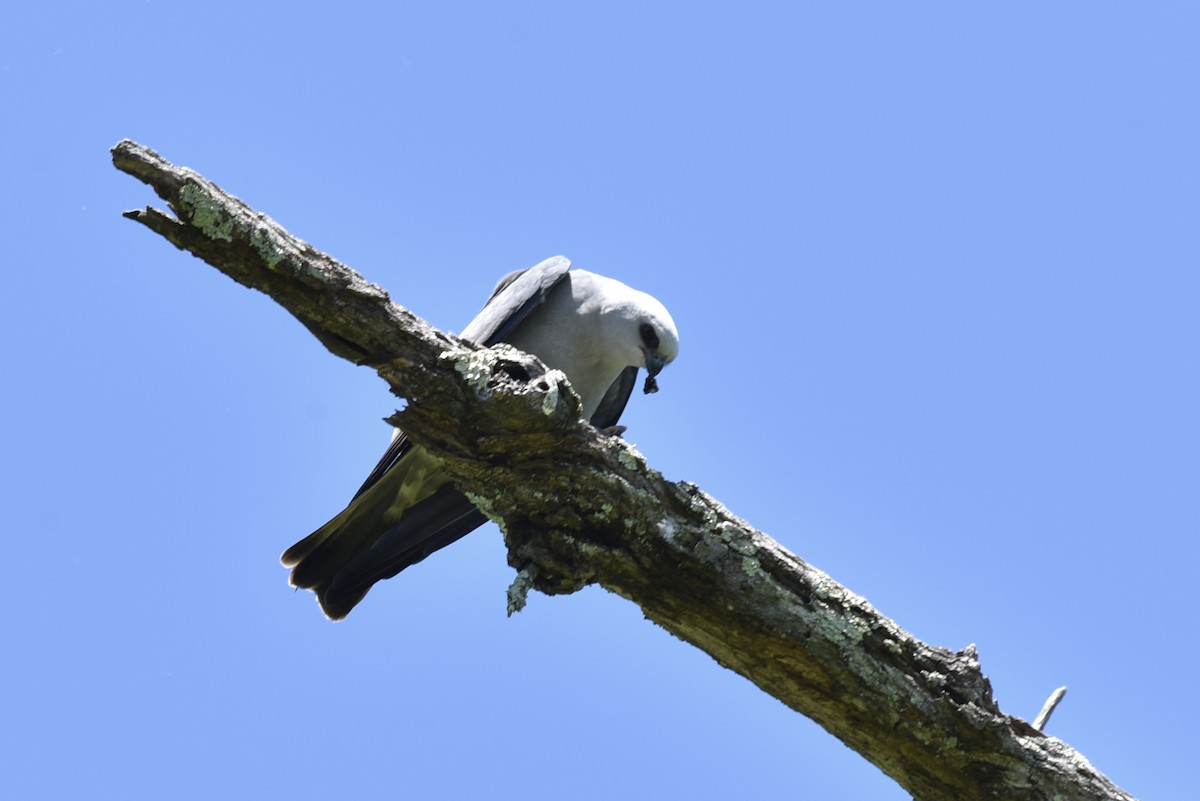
{"type": "Point", "coordinates": [639, 328]}
{"type": "Point", "coordinates": [657, 337]}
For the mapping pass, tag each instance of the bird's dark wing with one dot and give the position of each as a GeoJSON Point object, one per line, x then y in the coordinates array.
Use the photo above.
{"type": "Point", "coordinates": [613, 404]}
{"type": "Point", "coordinates": [439, 520]}
{"type": "Point", "coordinates": [400, 445]}
{"type": "Point", "coordinates": [513, 299]}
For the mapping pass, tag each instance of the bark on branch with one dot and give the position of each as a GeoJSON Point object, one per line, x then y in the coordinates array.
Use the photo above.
{"type": "Point", "coordinates": [577, 508]}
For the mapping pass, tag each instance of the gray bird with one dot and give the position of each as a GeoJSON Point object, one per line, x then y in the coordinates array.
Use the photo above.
{"type": "Point", "coordinates": [596, 330]}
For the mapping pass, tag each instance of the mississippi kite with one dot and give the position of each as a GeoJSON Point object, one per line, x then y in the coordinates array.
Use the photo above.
{"type": "Point", "coordinates": [598, 331]}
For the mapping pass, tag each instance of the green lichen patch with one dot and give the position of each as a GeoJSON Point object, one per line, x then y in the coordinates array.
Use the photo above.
{"type": "Point", "coordinates": [206, 213]}
{"type": "Point", "coordinates": [484, 505]}
{"type": "Point", "coordinates": [267, 246]}
{"type": "Point", "coordinates": [473, 365]}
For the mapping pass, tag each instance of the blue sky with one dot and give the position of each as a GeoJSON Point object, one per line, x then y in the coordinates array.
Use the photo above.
{"type": "Point", "coordinates": [935, 273]}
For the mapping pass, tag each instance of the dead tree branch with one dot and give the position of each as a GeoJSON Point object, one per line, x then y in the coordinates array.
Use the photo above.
{"type": "Point", "coordinates": [580, 508]}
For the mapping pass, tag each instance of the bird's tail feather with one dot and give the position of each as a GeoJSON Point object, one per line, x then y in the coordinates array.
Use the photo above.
{"type": "Point", "coordinates": [381, 532]}
{"type": "Point", "coordinates": [439, 520]}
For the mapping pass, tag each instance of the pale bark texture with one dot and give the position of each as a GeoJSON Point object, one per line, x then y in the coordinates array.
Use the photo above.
{"type": "Point", "coordinates": [578, 507]}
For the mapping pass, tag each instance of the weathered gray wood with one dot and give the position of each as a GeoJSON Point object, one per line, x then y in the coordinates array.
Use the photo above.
{"type": "Point", "coordinates": [1048, 708]}
{"type": "Point", "coordinates": [578, 508]}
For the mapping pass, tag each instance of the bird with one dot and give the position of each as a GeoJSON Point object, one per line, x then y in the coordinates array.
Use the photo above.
{"type": "Point", "coordinates": [596, 330]}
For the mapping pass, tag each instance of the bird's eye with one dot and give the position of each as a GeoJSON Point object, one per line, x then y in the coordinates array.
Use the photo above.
{"type": "Point", "coordinates": [649, 336]}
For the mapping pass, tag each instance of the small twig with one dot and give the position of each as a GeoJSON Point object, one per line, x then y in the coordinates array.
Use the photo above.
{"type": "Point", "coordinates": [1043, 717]}
{"type": "Point", "coordinates": [518, 591]}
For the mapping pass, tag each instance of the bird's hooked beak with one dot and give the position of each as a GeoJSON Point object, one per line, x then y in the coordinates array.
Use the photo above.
{"type": "Point", "coordinates": [654, 365]}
